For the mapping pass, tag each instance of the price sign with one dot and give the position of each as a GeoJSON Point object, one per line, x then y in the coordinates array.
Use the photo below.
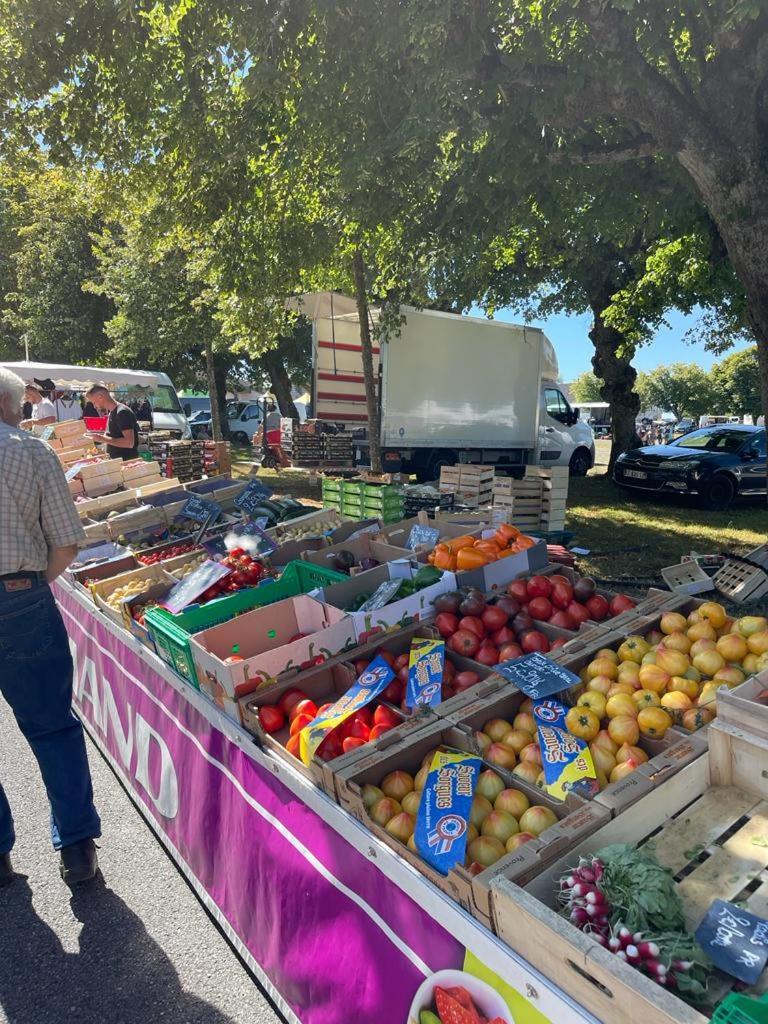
{"type": "Point", "coordinates": [425, 673]}
{"type": "Point", "coordinates": [188, 590]}
{"type": "Point", "coordinates": [382, 595]}
{"type": "Point", "coordinates": [735, 940]}
{"type": "Point", "coordinates": [249, 499]}
{"type": "Point", "coordinates": [422, 536]}
{"type": "Point", "coordinates": [537, 676]}
{"type": "Point", "coordinates": [200, 509]}
{"type": "Point", "coordinates": [47, 432]}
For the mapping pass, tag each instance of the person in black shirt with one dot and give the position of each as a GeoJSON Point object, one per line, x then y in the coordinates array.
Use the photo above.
{"type": "Point", "coordinates": [122, 436]}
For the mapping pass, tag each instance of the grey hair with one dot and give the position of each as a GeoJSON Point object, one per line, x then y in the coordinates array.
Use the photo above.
{"type": "Point", "coordinates": [11, 384]}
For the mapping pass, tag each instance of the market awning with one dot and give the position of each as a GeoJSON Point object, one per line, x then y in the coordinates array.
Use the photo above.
{"type": "Point", "coordinates": [81, 377]}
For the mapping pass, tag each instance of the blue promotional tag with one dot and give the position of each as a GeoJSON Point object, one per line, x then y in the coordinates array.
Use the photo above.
{"type": "Point", "coordinates": [369, 685]}
{"type": "Point", "coordinates": [567, 761]}
{"type": "Point", "coordinates": [446, 803]}
{"type": "Point", "coordinates": [425, 673]}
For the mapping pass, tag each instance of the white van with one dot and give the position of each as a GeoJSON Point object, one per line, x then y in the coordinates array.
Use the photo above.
{"type": "Point", "coordinates": [125, 385]}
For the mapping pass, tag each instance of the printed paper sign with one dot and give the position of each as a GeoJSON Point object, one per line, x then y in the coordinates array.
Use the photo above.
{"type": "Point", "coordinates": [566, 759]}
{"type": "Point", "coordinates": [382, 595]}
{"type": "Point", "coordinates": [189, 589]}
{"type": "Point", "coordinates": [422, 536]}
{"type": "Point", "coordinates": [249, 499]}
{"type": "Point", "coordinates": [369, 685]}
{"type": "Point", "coordinates": [425, 673]}
{"type": "Point", "coordinates": [446, 803]}
{"type": "Point", "coordinates": [735, 940]}
{"type": "Point", "coordinates": [537, 676]}
{"type": "Point", "coordinates": [202, 510]}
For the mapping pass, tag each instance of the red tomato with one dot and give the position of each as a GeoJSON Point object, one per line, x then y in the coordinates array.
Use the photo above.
{"type": "Point", "coordinates": [303, 707]}
{"type": "Point", "coordinates": [488, 654]}
{"type": "Point", "coordinates": [322, 709]}
{"type": "Point", "coordinates": [505, 635]}
{"type": "Point", "coordinates": [509, 652]}
{"type": "Point", "coordinates": [393, 692]}
{"type": "Point", "coordinates": [540, 608]}
{"type": "Point", "coordinates": [300, 722]}
{"type": "Point", "coordinates": [474, 624]}
{"type": "Point", "coordinates": [558, 642]}
{"type": "Point", "coordinates": [359, 730]}
{"type": "Point", "coordinates": [598, 607]}
{"type": "Point", "coordinates": [449, 671]}
{"type": "Point", "coordinates": [446, 624]}
{"type": "Point", "coordinates": [621, 603]}
{"type": "Point", "coordinates": [564, 620]}
{"type": "Point", "coordinates": [379, 730]}
{"type": "Point", "coordinates": [466, 679]}
{"type": "Point", "coordinates": [364, 715]}
{"type": "Point", "coordinates": [577, 612]}
{"type": "Point", "coordinates": [402, 674]}
{"type": "Point", "coordinates": [518, 590]}
{"type": "Point", "coordinates": [533, 640]}
{"type": "Point", "coordinates": [494, 618]}
{"type": "Point", "coordinates": [360, 666]}
{"type": "Point", "coordinates": [401, 661]}
{"type": "Point", "coordinates": [538, 586]}
{"type": "Point", "coordinates": [388, 657]}
{"type": "Point", "coordinates": [385, 716]}
{"type": "Point", "coordinates": [562, 595]}
{"type": "Point", "coordinates": [271, 717]}
{"type": "Point", "coordinates": [352, 743]}
{"type": "Point", "coordinates": [465, 642]}
{"type": "Point", "coordinates": [293, 746]}
{"type": "Point", "coordinates": [290, 699]}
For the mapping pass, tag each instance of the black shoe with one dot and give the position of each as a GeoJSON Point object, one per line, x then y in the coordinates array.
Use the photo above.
{"type": "Point", "coordinates": [79, 862]}
{"type": "Point", "coordinates": [7, 874]}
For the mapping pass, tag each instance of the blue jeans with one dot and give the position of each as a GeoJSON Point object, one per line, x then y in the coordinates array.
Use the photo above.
{"type": "Point", "coordinates": [36, 681]}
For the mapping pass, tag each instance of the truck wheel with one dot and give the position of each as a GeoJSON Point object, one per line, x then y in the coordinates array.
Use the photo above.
{"type": "Point", "coordinates": [240, 438]}
{"type": "Point", "coordinates": [580, 462]}
{"type": "Point", "coordinates": [436, 463]}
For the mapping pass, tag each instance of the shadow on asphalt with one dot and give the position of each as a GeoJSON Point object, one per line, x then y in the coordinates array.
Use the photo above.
{"type": "Point", "coordinates": [119, 974]}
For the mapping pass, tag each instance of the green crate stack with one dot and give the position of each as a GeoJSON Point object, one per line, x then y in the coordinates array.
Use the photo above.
{"type": "Point", "coordinates": [383, 500]}
{"type": "Point", "coordinates": [171, 633]}
{"type": "Point", "coordinates": [352, 499]}
{"type": "Point", "coordinates": [332, 493]}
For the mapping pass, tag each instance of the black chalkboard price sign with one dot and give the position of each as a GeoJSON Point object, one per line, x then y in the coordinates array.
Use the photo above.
{"type": "Point", "coordinates": [537, 676]}
{"type": "Point", "coordinates": [201, 510]}
{"type": "Point", "coordinates": [735, 940]}
{"type": "Point", "coordinates": [249, 499]}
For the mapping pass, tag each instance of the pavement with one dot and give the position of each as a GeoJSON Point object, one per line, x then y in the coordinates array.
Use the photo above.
{"type": "Point", "coordinates": [134, 947]}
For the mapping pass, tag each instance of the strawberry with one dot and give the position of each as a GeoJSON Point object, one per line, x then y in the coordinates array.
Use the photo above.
{"type": "Point", "coordinates": [452, 1010]}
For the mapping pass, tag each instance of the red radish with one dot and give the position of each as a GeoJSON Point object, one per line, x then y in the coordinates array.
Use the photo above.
{"type": "Point", "coordinates": [519, 590]}
{"type": "Point", "coordinates": [474, 624]}
{"type": "Point", "coordinates": [598, 607]}
{"type": "Point", "coordinates": [446, 624]}
{"type": "Point", "coordinates": [539, 586]}
{"type": "Point", "coordinates": [540, 608]}
{"type": "Point", "coordinates": [494, 618]}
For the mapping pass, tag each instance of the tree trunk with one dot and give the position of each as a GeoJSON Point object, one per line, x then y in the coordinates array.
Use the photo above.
{"type": "Point", "coordinates": [220, 373]}
{"type": "Point", "coordinates": [374, 436]}
{"type": "Point", "coordinates": [281, 383]}
{"type": "Point", "coordinates": [619, 378]}
{"type": "Point", "coordinates": [213, 390]}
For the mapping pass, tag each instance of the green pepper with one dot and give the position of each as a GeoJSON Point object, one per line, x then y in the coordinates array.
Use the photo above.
{"type": "Point", "coordinates": [426, 577]}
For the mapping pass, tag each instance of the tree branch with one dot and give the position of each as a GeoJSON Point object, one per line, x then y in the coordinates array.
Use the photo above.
{"type": "Point", "coordinates": [642, 145]}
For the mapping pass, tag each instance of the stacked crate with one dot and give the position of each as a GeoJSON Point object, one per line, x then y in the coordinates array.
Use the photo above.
{"type": "Point", "coordinates": [181, 459]}
{"type": "Point", "coordinates": [308, 445]}
{"type": "Point", "coordinates": [217, 458]}
{"type": "Point", "coordinates": [337, 449]}
{"type": "Point", "coordinates": [471, 485]}
{"type": "Point", "coordinates": [520, 500]}
{"type": "Point", "coordinates": [554, 496]}
{"type": "Point", "coordinates": [140, 473]}
{"type": "Point", "coordinates": [384, 501]}
{"type": "Point", "coordinates": [332, 493]}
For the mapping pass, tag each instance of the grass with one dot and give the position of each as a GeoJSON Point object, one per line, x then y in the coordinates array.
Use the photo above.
{"type": "Point", "coordinates": [629, 538]}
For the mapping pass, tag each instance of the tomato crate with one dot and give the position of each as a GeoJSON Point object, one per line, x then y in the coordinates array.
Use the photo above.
{"type": "Point", "coordinates": [171, 633]}
{"type": "Point", "coordinates": [744, 580]}
{"type": "Point", "coordinates": [709, 837]}
{"type": "Point", "coordinates": [746, 706]}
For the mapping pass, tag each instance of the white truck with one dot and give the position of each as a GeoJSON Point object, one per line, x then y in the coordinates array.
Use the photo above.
{"type": "Point", "coordinates": [451, 389]}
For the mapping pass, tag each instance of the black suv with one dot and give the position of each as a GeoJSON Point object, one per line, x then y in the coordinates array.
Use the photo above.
{"type": "Point", "coordinates": [715, 463]}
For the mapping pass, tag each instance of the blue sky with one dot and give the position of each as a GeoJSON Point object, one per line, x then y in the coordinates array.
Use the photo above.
{"type": "Point", "coordinates": [574, 349]}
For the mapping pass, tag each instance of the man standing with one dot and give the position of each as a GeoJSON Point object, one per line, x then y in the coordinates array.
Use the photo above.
{"type": "Point", "coordinates": [39, 534]}
{"type": "Point", "coordinates": [122, 437]}
{"type": "Point", "coordinates": [43, 411]}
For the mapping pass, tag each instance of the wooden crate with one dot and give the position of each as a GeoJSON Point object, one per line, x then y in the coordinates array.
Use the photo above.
{"type": "Point", "coordinates": [746, 706]}
{"type": "Point", "coordinates": [101, 591]}
{"type": "Point", "coordinates": [738, 757]}
{"type": "Point", "coordinates": [687, 578]}
{"type": "Point", "coordinates": [741, 581]}
{"type": "Point", "coordinates": [705, 836]}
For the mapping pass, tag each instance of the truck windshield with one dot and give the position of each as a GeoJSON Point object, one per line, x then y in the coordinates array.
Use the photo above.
{"type": "Point", "coordinates": [165, 399]}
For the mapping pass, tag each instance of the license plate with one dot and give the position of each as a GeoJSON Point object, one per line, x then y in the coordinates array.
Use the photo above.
{"type": "Point", "coordinates": [636, 474]}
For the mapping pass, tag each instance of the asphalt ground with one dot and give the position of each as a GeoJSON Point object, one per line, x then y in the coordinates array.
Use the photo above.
{"type": "Point", "coordinates": [134, 947]}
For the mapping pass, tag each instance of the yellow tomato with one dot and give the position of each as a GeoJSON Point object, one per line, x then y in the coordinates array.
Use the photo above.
{"type": "Point", "coordinates": [654, 722]}
{"type": "Point", "coordinates": [646, 699]}
{"type": "Point", "coordinates": [582, 722]}
{"type": "Point", "coordinates": [713, 612]}
{"type": "Point", "coordinates": [594, 701]}
{"type": "Point", "coordinates": [624, 729]}
{"type": "Point", "coordinates": [620, 704]}
{"type": "Point", "coordinates": [652, 677]}
{"type": "Point", "coordinates": [678, 684]}
{"type": "Point", "coordinates": [603, 667]}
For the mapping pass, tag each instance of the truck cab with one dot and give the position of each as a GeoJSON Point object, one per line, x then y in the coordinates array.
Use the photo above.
{"type": "Point", "coordinates": [564, 438]}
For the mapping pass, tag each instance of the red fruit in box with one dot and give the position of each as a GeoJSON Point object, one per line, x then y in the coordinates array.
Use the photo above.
{"type": "Point", "coordinates": [538, 586]}
{"type": "Point", "coordinates": [298, 636]}
{"type": "Point", "coordinates": [557, 578]}
{"type": "Point", "coordinates": [494, 618]}
{"type": "Point", "coordinates": [518, 590]}
{"type": "Point", "coordinates": [521, 622]}
{"type": "Point", "coordinates": [359, 730]}
{"type": "Point", "coordinates": [474, 624]}
{"type": "Point", "coordinates": [509, 605]}
{"type": "Point", "coordinates": [621, 603]}
{"type": "Point", "coordinates": [385, 716]}
{"type": "Point", "coordinates": [401, 661]}
{"type": "Point", "coordinates": [388, 656]}
{"type": "Point", "coordinates": [290, 699]}
{"type": "Point", "coordinates": [446, 624]}
{"type": "Point", "coordinates": [360, 666]}
{"type": "Point", "coordinates": [352, 743]}
{"type": "Point", "coordinates": [540, 608]}
{"type": "Point", "coordinates": [293, 746]}
{"type": "Point", "coordinates": [558, 642]}
{"type": "Point", "coordinates": [323, 708]}
{"type": "Point", "coordinates": [509, 652]}
{"type": "Point", "coordinates": [271, 717]}
{"type": "Point", "coordinates": [598, 607]}
{"type": "Point", "coordinates": [562, 595]}
{"type": "Point", "coordinates": [533, 640]}
{"type": "Point", "coordinates": [465, 642]}
{"type": "Point", "coordinates": [379, 730]}
{"type": "Point", "coordinates": [393, 692]}
{"type": "Point", "coordinates": [505, 635]}
{"type": "Point", "coordinates": [451, 1010]}
{"type": "Point", "coordinates": [564, 620]}
{"type": "Point", "coordinates": [449, 671]}
{"type": "Point", "coordinates": [303, 707]}
{"type": "Point", "coordinates": [464, 680]}
{"type": "Point", "coordinates": [402, 675]}
{"type": "Point", "coordinates": [300, 722]}
{"type": "Point", "coordinates": [331, 745]}
{"type": "Point", "coordinates": [446, 691]}
{"type": "Point", "coordinates": [473, 603]}
{"type": "Point", "coordinates": [578, 612]}
{"type": "Point", "coordinates": [488, 654]}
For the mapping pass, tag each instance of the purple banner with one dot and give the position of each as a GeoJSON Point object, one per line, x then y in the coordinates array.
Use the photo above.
{"type": "Point", "coordinates": [338, 939]}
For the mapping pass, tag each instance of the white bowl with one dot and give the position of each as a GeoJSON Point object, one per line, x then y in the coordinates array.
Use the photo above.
{"type": "Point", "coordinates": [486, 999]}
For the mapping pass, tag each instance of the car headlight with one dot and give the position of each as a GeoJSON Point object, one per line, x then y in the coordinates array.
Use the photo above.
{"type": "Point", "coordinates": [689, 468]}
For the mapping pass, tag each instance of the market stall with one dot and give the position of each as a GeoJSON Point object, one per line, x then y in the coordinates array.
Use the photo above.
{"type": "Point", "coordinates": [393, 760]}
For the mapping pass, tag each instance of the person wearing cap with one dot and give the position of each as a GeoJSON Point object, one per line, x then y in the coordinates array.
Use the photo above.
{"type": "Point", "coordinates": [39, 535]}
{"type": "Point", "coordinates": [43, 411]}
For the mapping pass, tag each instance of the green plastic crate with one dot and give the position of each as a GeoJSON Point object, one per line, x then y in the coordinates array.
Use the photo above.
{"type": "Point", "coordinates": [334, 503]}
{"type": "Point", "coordinates": [382, 491]}
{"type": "Point", "coordinates": [740, 1009]}
{"type": "Point", "coordinates": [331, 486]}
{"type": "Point", "coordinates": [171, 633]}
{"type": "Point", "coordinates": [352, 488]}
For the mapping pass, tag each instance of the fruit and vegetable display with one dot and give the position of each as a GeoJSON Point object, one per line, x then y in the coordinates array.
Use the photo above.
{"type": "Point", "coordinates": [502, 818]}
{"type": "Point", "coordinates": [627, 902]}
{"type": "Point", "coordinates": [246, 572]}
{"type": "Point", "coordinates": [400, 588]}
{"type": "Point", "coordinates": [127, 591]}
{"type": "Point", "coordinates": [295, 710]}
{"type": "Point", "coordinates": [556, 600]}
{"type": "Point", "coordinates": [172, 551]}
{"type": "Point", "coordinates": [182, 571]}
{"type": "Point", "coordinates": [466, 553]}
{"type": "Point", "coordinates": [345, 561]}
{"type": "Point", "coordinates": [489, 632]}
{"type": "Point", "coordinates": [455, 1006]}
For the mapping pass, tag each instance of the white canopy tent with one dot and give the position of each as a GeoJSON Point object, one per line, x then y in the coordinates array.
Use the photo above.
{"type": "Point", "coordinates": [80, 378]}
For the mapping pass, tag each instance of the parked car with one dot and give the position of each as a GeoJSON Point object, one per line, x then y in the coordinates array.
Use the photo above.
{"type": "Point", "coordinates": [716, 464]}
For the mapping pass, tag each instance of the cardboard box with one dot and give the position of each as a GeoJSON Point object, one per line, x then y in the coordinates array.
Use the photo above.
{"type": "Point", "coordinates": [397, 534]}
{"type": "Point", "coordinates": [265, 638]}
{"type": "Point", "coordinates": [471, 892]}
{"type": "Point", "coordinates": [137, 471]}
{"type": "Point", "coordinates": [496, 575]}
{"type": "Point", "coordinates": [101, 591]}
{"type": "Point", "coordinates": [366, 546]}
{"type": "Point", "coordinates": [159, 487]}
{"type": "Point", "coordinates": [102, 571]}
{"type": "Point", "coordinates": [398, 613]}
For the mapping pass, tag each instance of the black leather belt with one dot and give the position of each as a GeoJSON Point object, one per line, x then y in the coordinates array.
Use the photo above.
{"type": "Point", "coordinates": [38, 577]}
